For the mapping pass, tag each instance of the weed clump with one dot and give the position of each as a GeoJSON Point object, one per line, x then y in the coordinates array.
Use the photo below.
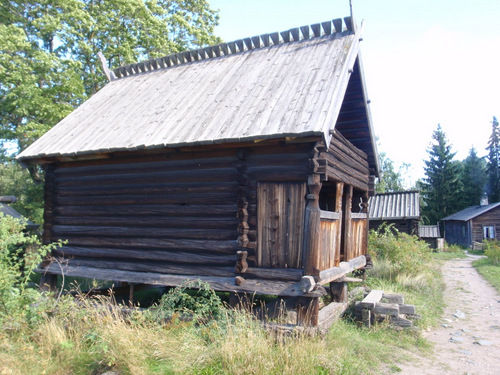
{"type": "Point", "coordinates": [492, 251]}
{"type": "Point", "coordinates": [402, 253]}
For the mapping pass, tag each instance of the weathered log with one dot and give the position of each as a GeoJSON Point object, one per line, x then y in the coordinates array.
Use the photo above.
{"type": "Point", "coordinates": [307, 284]}
{"type": "Point", "coordinates": [312, 227]}
{"type": "Point", "coordinates": [366, 317]}
{"type": "Point", "coordinates": [149, 221]}
{"type": "Point", "coordinates": [407, 309]}
{"type": "Point", "coordinates": [215, 247]}
{"type": "Point", "coordinates": [140, 197]}
{"type": "Point", "coordinates": [241, 261]}
{"type": "Point", "coordinates": [386, 309]}
{"type": "Point", "coordinates": [307, 311]}
{"type": "Point", "coordinates": [223, 284]}
{"type": "Point", "coordinates": [339, 293]}
{"type": "Point", "coordinates": [187, 210]}
{"type": "Point", "coordinates": [344, 268]}
{"type": "Point", "coordinates": [131, 165]}
{"type": "Point", "coordinates": [331, 313]}
{"type": "Point", "coordinates": [69, 231]}
{"type": "Point", "coordinates": [400, 321]}
{"type": "Point", "coordinates": [393, 298]}
{"type": "Point", "coordinates": [163, 188]}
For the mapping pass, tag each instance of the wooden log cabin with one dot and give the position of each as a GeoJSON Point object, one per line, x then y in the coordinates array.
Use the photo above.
{"type": "Point", "coordinates": [247, 165]}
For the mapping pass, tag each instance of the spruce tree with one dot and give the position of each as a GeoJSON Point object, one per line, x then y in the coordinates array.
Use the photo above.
{"type": "Point", "coordinates": [494, 163]}
{"type": "Point", "coordinates": [473, 177]}
{"type": "Point", "coordinates": [441, 185]}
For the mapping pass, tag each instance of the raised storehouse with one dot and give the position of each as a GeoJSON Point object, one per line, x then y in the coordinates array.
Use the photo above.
{"type": "Point", "coordinates": [472, 225]}
{"type": "Point", "coordinates": [400, 209]}
{"type": "Point", "coordinates": [247, 165]}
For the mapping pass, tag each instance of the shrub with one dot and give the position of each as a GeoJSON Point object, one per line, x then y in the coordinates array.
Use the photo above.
{"type": "Point", "coordinates": [405, 253]}
{"type": "Point", "coordinates": [194, 298]}
{"type": "Point", "coordinates": [20, 254]}
{"type": "Point", "coordinates": [492, 251]}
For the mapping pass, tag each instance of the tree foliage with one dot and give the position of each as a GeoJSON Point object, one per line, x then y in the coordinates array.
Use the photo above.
{"type": "Point", "coordinates": [49, 63]}
{"type": "Point", "coordinates": [473, 179]}
{"type": "Point", "coordinates": [441, 182]}
{"type": "Point", "coordinates": [390, 180]}
{"type": "Point", "coordinates": [15, 180]}
{"type": "Point", "coordinates": [493, 167]}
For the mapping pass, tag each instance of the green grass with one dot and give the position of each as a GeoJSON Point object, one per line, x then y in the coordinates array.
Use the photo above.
{"type": "Point", "coordinates": [490, 271]}
{"type": "Point", "coordinates": [58, 336]}
{"type": "Point", "coordinates": [448, 255]}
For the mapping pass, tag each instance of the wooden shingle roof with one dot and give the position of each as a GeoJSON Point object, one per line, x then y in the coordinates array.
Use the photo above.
{"type": "Point", "coordinates": [395, 206]}
{"type": "Point", "coordinates": [281, 85]}
{"type": "Point", "coordinates": [429, 231]}
{"type": "Point", "coordinates": [471, 212]}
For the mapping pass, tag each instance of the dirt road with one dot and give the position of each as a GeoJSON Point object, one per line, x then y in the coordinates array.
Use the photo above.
{"type": "Point", "coordinates": [468, 341]}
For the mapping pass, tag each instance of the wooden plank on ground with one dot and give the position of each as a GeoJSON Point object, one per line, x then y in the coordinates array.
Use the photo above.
{"type": "Point", "coordinates": [330, 313]}
{"type": "Point", "coordinates": [372, 299]}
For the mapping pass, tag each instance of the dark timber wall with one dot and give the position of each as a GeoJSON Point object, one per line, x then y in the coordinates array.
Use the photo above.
{"type": "Point", "coordinates": [200, 211]}
{"type": "Point", "coordinates": [184, 213]}
{"type": "Point", "coordinates": [490, 218]}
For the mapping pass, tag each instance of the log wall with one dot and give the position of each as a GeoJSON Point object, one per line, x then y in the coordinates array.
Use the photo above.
{"type": "Point", "coordinates": [185, 213]}
{"type": "Point", "coordinates": [346, 163]}
{"type": "Point", "coordinates": [489, 218]}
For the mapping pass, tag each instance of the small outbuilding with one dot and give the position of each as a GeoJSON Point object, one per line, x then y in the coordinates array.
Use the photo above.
{"type": "Point", "coordinates": [399, 209]}
{"type": "Point", "coordinates": [7, 210]}
{"type": "Point", "coordinates": [471, 226]}
{"type": "Point", "coordinates": [247, 165]}
{"type": "Point", "coordinates": [431, 235]}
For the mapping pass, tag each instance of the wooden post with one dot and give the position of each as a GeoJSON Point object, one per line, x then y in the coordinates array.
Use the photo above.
{"type": "Point", "coordinates": [307, 311]}
{"type": "Point", "coordinates": [48, 282]}
{"type": "Point", "coordinates": [131, 295]}
{"type": "Point", "coordinates": [339, 292]}
{"type": "Point", "coordinates": [338, 208]}
{"type": "Point", "coordinates": [312, 227]}
{"type": "Point", "coordinates": [347, 245]}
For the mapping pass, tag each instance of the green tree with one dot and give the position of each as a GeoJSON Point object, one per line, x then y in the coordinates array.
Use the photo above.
{"type": "Point", "coordinates": [441, 185]}
{"type": "Point", "coordinates": [493, 167]}
{"type": "Point", "coordinates": [15, 180]}
{"type": "Point", "coordinates": [473, 179]}
{"type": "Point", "coordinates": [49, 59]}
{"type": "Point", "coordinates": [389, 180]}
{"type": "Point", "coordinates": [49, 62]}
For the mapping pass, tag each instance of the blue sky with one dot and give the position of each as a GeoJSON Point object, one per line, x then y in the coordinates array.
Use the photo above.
{"type": "Point", "coordinates": [426, 63]}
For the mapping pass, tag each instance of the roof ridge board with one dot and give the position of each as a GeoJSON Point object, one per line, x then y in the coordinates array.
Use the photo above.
{"type": "Point", "coordinates": [296, 34]}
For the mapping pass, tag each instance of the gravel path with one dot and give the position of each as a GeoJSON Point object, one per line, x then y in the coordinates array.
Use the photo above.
{"type": "Point", "coordinates": [468, 341]}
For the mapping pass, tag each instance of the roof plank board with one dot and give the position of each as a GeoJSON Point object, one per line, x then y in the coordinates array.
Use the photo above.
{"type": "Point", "coordinates": [222, 94]}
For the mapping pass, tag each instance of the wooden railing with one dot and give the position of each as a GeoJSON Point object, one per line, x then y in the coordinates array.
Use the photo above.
{"type": "Point", "coordinates": [330, 227]}
{"type": "Point", "coordinates": [330, 238]}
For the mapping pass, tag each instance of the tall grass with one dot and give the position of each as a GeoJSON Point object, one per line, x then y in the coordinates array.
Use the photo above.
{"type": "Point", "coordinates": [404, 264]}
{"type": "Point", "coordinates": [489, 267]}
{"type": "Point", "coordinates": [190, 332]}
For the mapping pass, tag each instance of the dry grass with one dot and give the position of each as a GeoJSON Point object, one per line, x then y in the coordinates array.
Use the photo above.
{"type": "Point", "coordinates": [92, 338]}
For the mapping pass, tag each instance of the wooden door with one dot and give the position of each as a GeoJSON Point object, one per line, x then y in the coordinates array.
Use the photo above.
{"type": "Point", "coordinates": [280, 224]}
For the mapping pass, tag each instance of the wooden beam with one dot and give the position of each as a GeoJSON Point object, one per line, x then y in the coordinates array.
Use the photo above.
{"type": "Point", "coordinates": [331, 313]}
{"type": "Point", "coordinates": [347, 224]}
{"type": "Point", "coordinates": [307, 311]}
{"type": "Point", "coordinates": [372, 299]}
{"type": "Point", "coordinates": [344, 268]}
{"type": "Point", "coordinates": [339, 292]}
{"type": "Point", "coordinates": [312, 227]}
{"type": "Point", "coordinates": [222, 284]}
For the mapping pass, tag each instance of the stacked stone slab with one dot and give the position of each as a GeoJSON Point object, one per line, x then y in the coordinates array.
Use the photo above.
{"type": "Point", "coordinates": [378, 306]}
